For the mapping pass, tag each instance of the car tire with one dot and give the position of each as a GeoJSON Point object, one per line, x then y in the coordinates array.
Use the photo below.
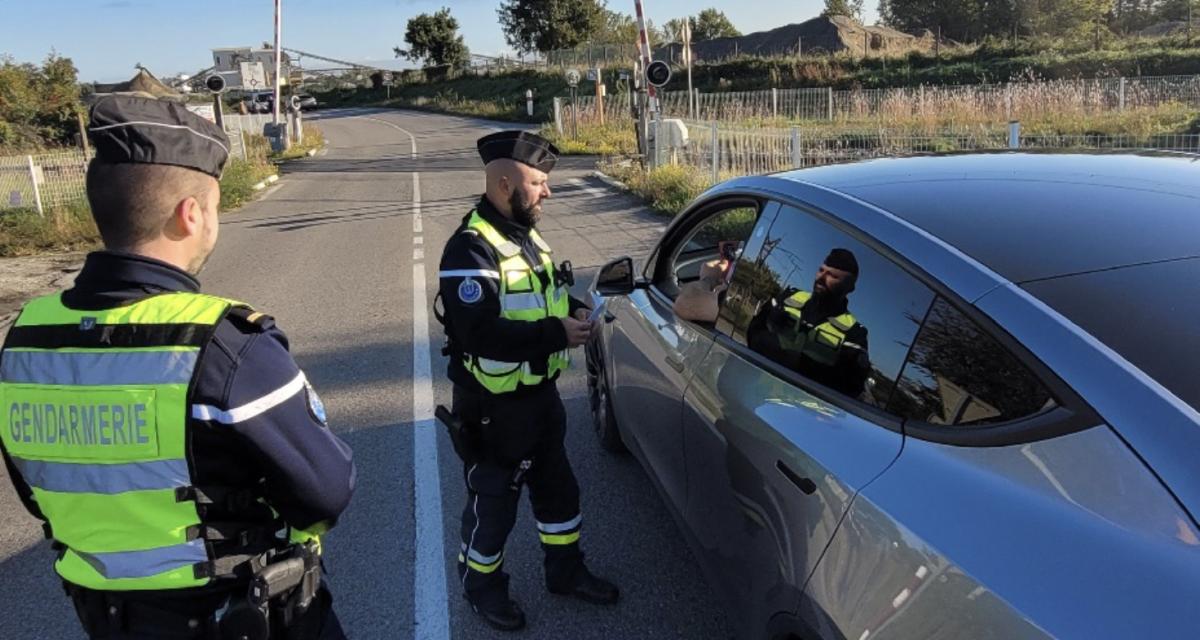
{"type": "Point", "coordinates": [600, 402]}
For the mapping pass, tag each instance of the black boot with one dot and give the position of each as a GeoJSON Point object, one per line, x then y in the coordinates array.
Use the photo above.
{"type": "Point", "coordinates": [588, 588]}
{"type": "Point", "coordinates": [503, 616]}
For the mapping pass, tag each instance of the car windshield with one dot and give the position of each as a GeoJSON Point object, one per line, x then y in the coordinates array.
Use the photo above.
{"type": "Point", "coordinates": [1146, 313]}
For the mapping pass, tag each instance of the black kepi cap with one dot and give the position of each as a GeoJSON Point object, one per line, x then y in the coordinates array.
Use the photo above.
{"type": "Point", "coordinates": [127, 129]}
{"type": "Point", "coordinates": [522, 146]}
{"type": "Point", "coordinates": [842, 259]}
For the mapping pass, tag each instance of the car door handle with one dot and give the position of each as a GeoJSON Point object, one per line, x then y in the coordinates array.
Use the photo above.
{"type": "Point", "coordinates": [804, 484]}
{"type": "Point", "coordinates": [674, 363]}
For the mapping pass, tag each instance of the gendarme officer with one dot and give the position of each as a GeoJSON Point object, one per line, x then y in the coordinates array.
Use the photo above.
{"type": "Point", "coordinates": [510, 323]}
{"type": "Point", "coordinates": [177, 455]}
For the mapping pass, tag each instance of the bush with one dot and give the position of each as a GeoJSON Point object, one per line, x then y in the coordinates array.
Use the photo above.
{"type": "Point", "coordinates": [237, 183]}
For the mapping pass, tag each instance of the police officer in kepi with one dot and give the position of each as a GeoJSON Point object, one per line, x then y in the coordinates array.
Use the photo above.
{"type": "Point", "coordinates": [179, 459]}
{"type": "Point", "coordinates": [509, 324]}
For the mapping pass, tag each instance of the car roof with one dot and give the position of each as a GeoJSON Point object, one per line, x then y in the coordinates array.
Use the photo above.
{"type": "Point", "coordinates": [1032, 216]}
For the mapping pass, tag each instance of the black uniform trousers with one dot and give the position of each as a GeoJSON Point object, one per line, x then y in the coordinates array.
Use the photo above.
{"type": "Point", "coordinates": [516, 431]}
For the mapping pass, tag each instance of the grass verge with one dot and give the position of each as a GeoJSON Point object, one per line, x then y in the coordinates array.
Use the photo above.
{"type": "Point", "coordinates": [24, 233]}
{"type": "Point", "coordinates": [666, 190]}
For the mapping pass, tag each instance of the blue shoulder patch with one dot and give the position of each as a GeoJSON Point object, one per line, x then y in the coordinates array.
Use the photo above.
{"type": "Point", "coordinates": [470, 291]}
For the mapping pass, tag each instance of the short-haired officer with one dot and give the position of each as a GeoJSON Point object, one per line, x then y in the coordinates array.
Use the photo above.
{"type": "Point", "coordinates": [509, 323]}
{"type": "Point", "coordinates": [167, 439]}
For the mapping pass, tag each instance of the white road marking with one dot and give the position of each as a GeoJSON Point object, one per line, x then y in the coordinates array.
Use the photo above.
{"type": "Point", "coordinates": [582, 184]}
{"type": "Point", "coordinates": [417, 239]}
{"type": "Point", "coordinates": [270, 192]}
{"type": "Point", "coordinates": [418, 253]}
{"type": "Point", "coordinates": [431, 610]}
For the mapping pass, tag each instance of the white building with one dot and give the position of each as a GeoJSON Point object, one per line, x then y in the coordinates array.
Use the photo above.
{"type": "Point", "coordinates": [228, 62]}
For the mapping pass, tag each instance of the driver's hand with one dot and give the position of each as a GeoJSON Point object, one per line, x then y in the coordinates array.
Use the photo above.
{"type": "Point", "coordinates": [714, 269]}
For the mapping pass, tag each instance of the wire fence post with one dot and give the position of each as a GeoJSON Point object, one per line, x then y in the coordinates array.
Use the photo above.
{"type": "Point", "coordinates": [1014, 135]}
{"type": "Point", "coordinates": [829, 108]}
{"type": "Point", "coordinates": [1008, 100]}
{"type": "Point", "coordinates": [716, 155]}
{"type": "Point", "coordinates": [774, 102]}
{"type": "Point", "coordinates": [1121, 96]}
{"type": "Point", "coordinates": [796, 147]}
{"type": "Point", "coordinates": [37, 192]}
{"type": "Point", "coordinates": [558, 127]}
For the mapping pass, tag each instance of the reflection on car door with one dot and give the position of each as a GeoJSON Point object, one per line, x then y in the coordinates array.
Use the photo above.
{"type": "Point", "coordinates": [773, 469]}
{"type": "Point", "coordinates": [650, 347]}
{"type": "Point", "coordinates": [775, 458]}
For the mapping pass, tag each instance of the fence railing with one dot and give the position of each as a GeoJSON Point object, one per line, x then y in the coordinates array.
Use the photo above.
{"type": "Point", "coordinates": [43, 181]}
{"type": "Point", "coordinates": [52, 180]}
{"type": "Point", "coordinates": [724, 151]}
{"type": "Point", "coordinates": [1008, 101]}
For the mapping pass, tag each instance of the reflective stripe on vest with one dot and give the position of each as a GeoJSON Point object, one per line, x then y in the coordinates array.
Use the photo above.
{"type": "Point", "coordinates": [523, 297]}
{"type": "Point", "coordinates": [93, 412]}
{"type": "Point", "coordinates": [821, 343]}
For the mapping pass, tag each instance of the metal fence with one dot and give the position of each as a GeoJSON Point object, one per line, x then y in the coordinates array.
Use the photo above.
{"type": "Point", "coordinates": [46, 181]}
{"type": "Point", "coordinates": [43, 181]}
{"type": "Point", "coordinates": [1008, 101]}
{"type": "Point", "coordinates": [724, 151]}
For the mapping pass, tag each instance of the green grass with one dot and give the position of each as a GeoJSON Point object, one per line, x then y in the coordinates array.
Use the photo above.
{"type": "Point", "coordinates": [237, 183]}
{"type": "Point", "coordinates": [23, 232]}
{"type": "Point", "coordinates": [666, 190]}
{"type": "Point", "coordinates": [609, 139]}
{"type": "Point", "coordinates": [313, 140]}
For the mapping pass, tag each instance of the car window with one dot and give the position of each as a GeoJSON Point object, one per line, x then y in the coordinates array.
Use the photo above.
{"type": "Point", "coordinates": [727, 229]}
{"type": "Point", "coordinates": [826, 307]}
{"type": "Point", "coordinates": [959, 375]}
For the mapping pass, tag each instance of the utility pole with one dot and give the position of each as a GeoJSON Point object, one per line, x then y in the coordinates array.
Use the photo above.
{"type": "Point", "coordinates": [687, 58]}
{"type": "Point", "coordinates": [278, 58]}
{"type": "Point", "coordinates": [647, 90]}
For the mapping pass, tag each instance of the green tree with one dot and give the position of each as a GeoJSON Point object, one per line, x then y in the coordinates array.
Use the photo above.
{"type": "Point", "coordinates": [672, 31]}
{"type": "Point", "coordinates": [962, 20]}
{"type": "Point", "coordinates": [434, 40]}
{"type": "Point", "coordinates": [38, 105]}
{"type": "Point", "coordinates": [712, 24]}
{"type": "Point", "coordinates": [546, 25]}
{"type": "Point", "coordinates": [848, 8]}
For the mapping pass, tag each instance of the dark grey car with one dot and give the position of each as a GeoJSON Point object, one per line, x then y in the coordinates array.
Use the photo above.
{"type": "Point", "coordinates": [1010, 452]}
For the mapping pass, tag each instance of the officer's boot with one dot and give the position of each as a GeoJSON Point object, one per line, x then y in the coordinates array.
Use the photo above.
{"type": "Point", "coordinates": [500, 614]}
{"type": "Point", "coordinates": [495, 607]}
{"type": "Point", "coordinates": [580, 583]}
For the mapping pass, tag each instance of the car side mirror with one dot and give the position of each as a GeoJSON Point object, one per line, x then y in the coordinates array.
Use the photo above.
{"type": "Point", "coordinates": [616, 278]}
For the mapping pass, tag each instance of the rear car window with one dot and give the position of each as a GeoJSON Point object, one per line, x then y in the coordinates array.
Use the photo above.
{"type": "Point", "coordinates": [1146, 313]}
{"type": "Point", "coordinates": [958, 375]}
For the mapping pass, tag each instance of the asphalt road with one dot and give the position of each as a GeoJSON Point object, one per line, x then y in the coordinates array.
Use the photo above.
{"type": "Point", "coordinates": [344, 253]}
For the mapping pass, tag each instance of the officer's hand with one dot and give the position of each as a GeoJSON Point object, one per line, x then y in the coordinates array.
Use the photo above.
{"type": "Point", "coordinates": [582, 316]}
{"type": "Point", "coordinates": [577, 332]}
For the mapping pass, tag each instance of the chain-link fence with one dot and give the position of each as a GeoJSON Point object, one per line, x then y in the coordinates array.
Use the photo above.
{"type": "Point", "coordinates": [960, 103]}
{"type": "Point", "coordinates": [723, 151]}
{"type": "Point", "coordinates": [43, 181]}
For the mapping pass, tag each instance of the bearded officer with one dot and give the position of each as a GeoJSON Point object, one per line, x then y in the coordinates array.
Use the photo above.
{"type": "Point", "coordinates": [167, 439]}
{"type": "Point", "coordinates": [509, 324]}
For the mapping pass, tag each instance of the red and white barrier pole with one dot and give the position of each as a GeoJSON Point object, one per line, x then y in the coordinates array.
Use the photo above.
{"type": "Point", "coordinates": [644, 47]}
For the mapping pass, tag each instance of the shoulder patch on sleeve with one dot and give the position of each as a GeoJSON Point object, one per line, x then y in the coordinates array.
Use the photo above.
{"type": "Point", "coordinates": [248, 319]}
{"type": "Point", "coordinates": [470, 291]}
{"type": "Point", "coordinates": [315, 406]}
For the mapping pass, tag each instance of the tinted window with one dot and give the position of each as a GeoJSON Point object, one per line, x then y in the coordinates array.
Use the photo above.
{"type": "Point", "coordinates": [799, 302]}
{"type": "Point", "coordinates": [959, 375]}
{"type": "Point", "coordinates": [1145, 313]}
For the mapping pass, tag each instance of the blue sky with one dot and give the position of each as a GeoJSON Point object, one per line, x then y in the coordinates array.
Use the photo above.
{"type": "Point", "coordinates": [106, 38]}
